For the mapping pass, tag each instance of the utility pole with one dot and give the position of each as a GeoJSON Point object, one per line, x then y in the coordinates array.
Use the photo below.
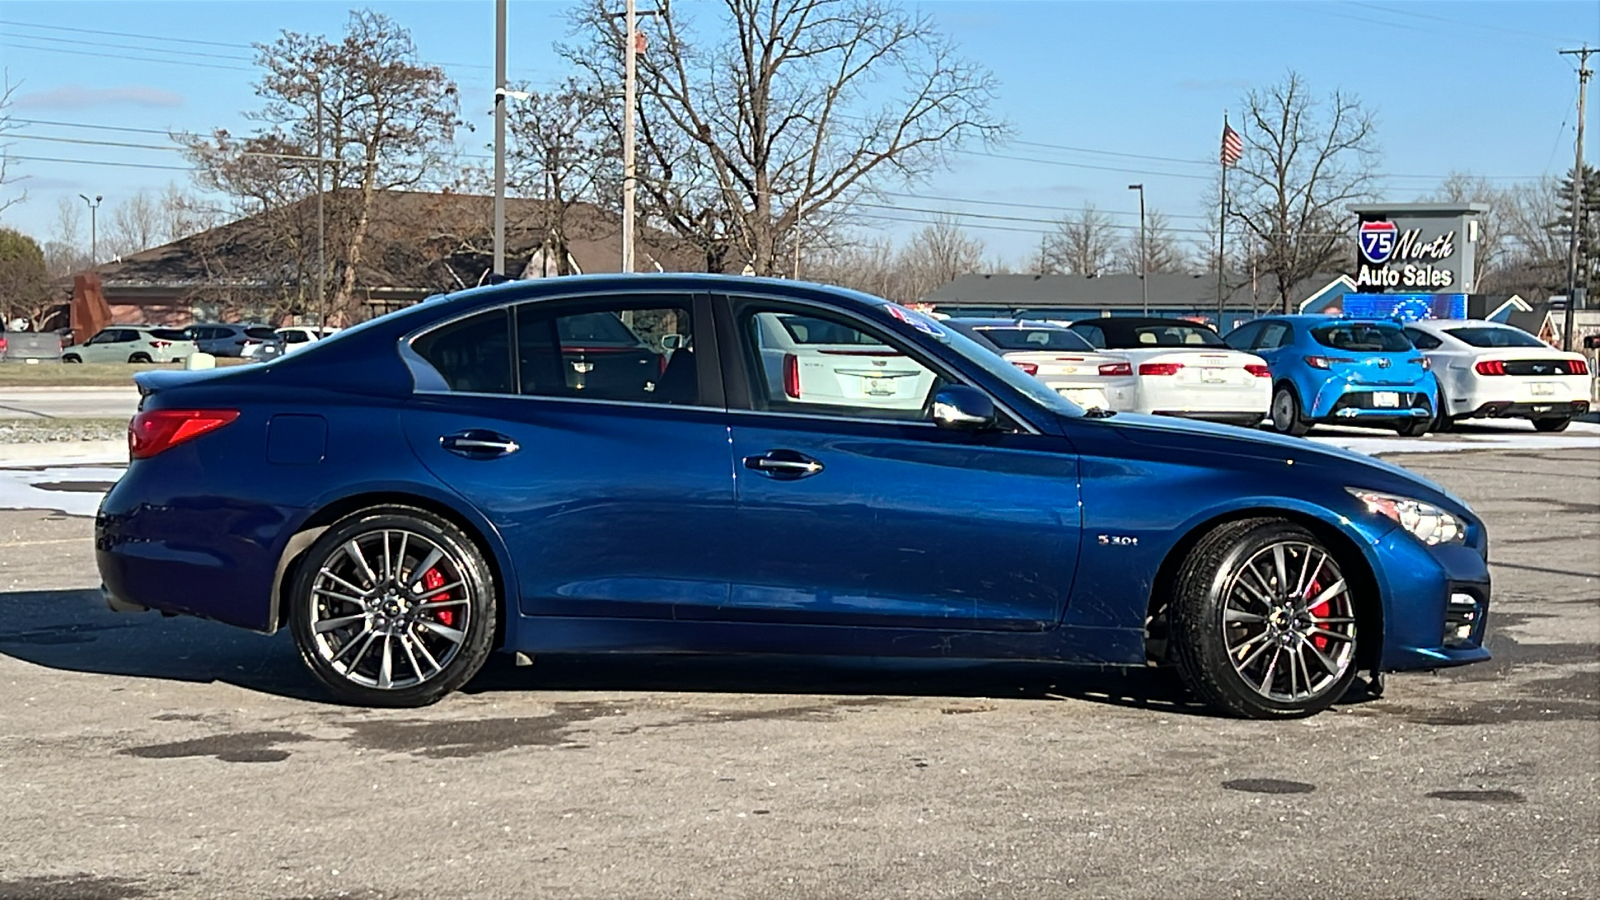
{"type": "Point", "coordinates": [630, 53]}
{"type": "Point", "coordinates": [94, 228]}
{"type": "Point", "coordinates": [322, 259]}
{"type": "Point", "coordinates": [1577, 286]}
{"type": "Point", "coordinates": [1144, 250]}
{"type": "Point", "coordinates": [500, 137]}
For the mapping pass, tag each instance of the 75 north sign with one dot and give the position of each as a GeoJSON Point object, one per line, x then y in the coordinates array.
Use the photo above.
{"type": "Point", "coordinates": [1396, 258]}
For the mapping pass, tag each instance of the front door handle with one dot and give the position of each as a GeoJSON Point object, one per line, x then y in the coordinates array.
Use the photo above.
{"type": "Point", "coordinates": [479, 443]}
{"type": "Point", "coordinates": [786, 465]}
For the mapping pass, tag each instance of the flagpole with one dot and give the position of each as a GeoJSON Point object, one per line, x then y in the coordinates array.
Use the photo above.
{"type": "Point", "coordinates": [1222, 228]}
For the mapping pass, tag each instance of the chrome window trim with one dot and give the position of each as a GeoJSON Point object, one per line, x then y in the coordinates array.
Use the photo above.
{"type": "Point", "coordinates": [551, 399]}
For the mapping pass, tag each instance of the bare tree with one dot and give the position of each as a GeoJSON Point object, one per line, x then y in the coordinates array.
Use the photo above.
{"type": "Point", "coordinates": [135, 224]}
{"type": "Point", "coordinates": [65, 251]}
{"type": "Point", "coordinates": [1305, 159]}
{"type": "Point", "coordinates": [183, 214]}
{"type": "Point", "coordinates": [1488, 257]}
{"type": "Point", "coordinates": [804, 104]}
{"type": "Point", "coordinates": [1084, 243]}
{"type": "Point", "coordinates": [563, 151]}
{"type": "Point", "coordinates": [7, 173]}
{"type": "Point", "coordinates": [937, 254]}
{"type": "Point", "coordinates": [388, 122]}
{"type": "Point", "coordinates": [1164, 252]}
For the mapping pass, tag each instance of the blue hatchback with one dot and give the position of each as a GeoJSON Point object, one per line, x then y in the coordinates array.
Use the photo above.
{"type": "Point", "coordinates": [607, 464]}
{"type": "Point", "coordinates": [1345, 371]}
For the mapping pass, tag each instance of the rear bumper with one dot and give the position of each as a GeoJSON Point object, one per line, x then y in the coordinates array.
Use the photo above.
{"type": "Point", "coordinates": [1344, 402]}
{"type": "Point", "coordinates": [1505, 409]}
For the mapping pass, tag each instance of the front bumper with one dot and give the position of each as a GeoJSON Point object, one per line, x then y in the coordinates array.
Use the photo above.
{"type": "Point", "coordinates": [1437, 603]}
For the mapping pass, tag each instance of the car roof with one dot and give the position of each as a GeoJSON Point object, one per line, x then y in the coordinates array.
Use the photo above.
{"type": "Point", "coordinates": [1460, 323]}
{"type": "Point", "coordinates": [975, 322]}
{"type": "Point", "coordinates": [1323, 319]}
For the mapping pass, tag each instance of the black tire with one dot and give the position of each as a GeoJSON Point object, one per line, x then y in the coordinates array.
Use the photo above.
{"type": "Point", "coordinates": [71, 358]}
{"type": "Point", "coordinates": [1414, 428]}
{"type": "Point", "coordinates": [1285, 413]}
{"type": "Point", "coordinates": [1212, 644]}
{"type": "Point", "coordinates": [1557, 423]}
{"type": "Point", "coordinates": [426, 651]}
{"type": "Point", "coordinates": [139, 358]}
{"type": "Point", "coordinates": [1443, 422]}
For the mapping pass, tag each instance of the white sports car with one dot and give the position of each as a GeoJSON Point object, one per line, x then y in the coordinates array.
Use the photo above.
{"type": "Point", "coordinates": [1489, 370]}
{"type": "Point", "coordinates": [1181, 368]}
{"type": "Point", "coordinates": [298, 336]}
{"type": "Point", "coordinates": [1057, 356]}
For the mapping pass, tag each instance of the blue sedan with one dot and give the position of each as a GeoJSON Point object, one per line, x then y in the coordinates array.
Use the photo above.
{"type": "Point", "coordinates": [606, 464]}
{"type": "Point", "coordinates": [1348, 371]}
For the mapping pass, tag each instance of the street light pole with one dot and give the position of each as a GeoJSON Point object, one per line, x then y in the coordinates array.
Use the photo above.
{"type": "Point", "coordinates": [94, 229]}
{"type": "Point", "coordinates": [630, 54]}
{"type": "Point", "coordinates": [1144, 251]}
{"type": "Point", "coordinates": [500, 137]}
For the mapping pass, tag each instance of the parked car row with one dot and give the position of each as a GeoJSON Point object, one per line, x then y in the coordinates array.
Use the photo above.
{"type": "Point", "coordinates": [1297, 371]}
{"type": "Point", "coordinates": [160, 344]}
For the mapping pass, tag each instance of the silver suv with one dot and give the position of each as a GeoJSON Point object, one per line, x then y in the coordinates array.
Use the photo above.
{"type": "Point", "coordinates": [132, 344]}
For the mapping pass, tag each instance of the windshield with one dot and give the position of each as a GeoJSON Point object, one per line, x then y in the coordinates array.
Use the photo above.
{"type": "Point", "coordinates": [1034, 339]}
{"type": "Point", "coordinates": [1359, 336]}
{"type": "Point", "coordinates": [1489, 336]}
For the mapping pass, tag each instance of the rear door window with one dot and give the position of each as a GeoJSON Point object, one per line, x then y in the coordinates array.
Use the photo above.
{"type": "Point", "coordinates": [1035, 339]}
{"type": "Point", "coordinates": [261, 334]}
{"type": "Point", "coordinates": [1489, 336]}
{"type": "Point", "coordinates": [640, 351]}
{"type": "Point", "coordinates": [1094, 334]}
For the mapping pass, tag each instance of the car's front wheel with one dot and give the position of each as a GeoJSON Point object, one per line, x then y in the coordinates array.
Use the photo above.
{"type": "Point", "coordinates": [393, 606]}
{"type": "Point", "coordinates": [1264, 621]}
{"type": "Point", "coordinates": [1557, 423]}
{"type": "Point", "coordinates": [71, 358]}
{"type": "Point", "coordinates": [139, 358]}
{"type": "Point", "coordinates": [1286, 418]}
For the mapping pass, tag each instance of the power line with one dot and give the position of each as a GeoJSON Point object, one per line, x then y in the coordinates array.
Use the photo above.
{"type": "Point", "coordinates": [1418, 15]}
{"type": "Point", "coordinates": [121, 34]}
{"type": "Point", "coordinates": [80, 42]}
{"type": "Point", "coordinates": [98, 55]}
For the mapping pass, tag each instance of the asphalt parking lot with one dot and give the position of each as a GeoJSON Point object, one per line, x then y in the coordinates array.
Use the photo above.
{"type": "Point", "coordinates": [144, 757]}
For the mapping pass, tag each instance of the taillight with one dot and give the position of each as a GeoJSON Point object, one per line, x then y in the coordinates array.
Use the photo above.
{"type": "Point", "coordinates": [157, 430]}
{"type": "Point", "coordinates": [1116, 368]}
{"type": "Point", "coordinates": [1490, 367]}
{"type": "Point", "coordinates": [791, 375]}
{"type": "Point", "coordinates": [1159, 368]}
{"type": "Point", "coordinates": [1575, 367]}
{"type": "Point", "coordinates": [1324, 362]}
{"type": "Point", "coordinates": [160, 345]}
{"type": "Point", "coordinates": [1258, 371]}
{"type": "Point", "coordinates": [661, 364]}
{"type": "Point", "coordinates": [2, 344]}
{"type": "Point", "coordinates": [1027, 367]}
{"type": "Point", "coordinates": [1421, 361]}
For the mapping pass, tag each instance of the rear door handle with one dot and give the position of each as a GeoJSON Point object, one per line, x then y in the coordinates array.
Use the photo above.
{"type": "Point", "coordinates": [479, 443]}
{"type": "Point", "coordinates": [785, 465]}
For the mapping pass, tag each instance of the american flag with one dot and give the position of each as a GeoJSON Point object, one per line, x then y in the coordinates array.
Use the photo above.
{"type": "Point", "coordinates": [1232, 146]}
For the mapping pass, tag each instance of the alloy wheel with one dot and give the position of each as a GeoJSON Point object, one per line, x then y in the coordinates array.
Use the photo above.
{"type": "Point", "coordinates": [390, 609]}
{"type": "Point", "coordinates": [1288, 622]}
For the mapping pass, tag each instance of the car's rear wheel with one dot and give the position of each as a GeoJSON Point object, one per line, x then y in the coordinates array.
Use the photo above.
{"type": "Point", "coordinates": [1414, 428]}
{"type": "Point", "coordinates": [139, 358]}
{"type": "Point", "coordinates": [71, 358]}
{"type": "Point", "coordinates": [1555, 423]}
{"type": "Point", "coordinates": [1264, 621]}
{"type": "Point", "coordinates": [393, 606]}
{"type": "Point", "coordinates": [1286, 418]}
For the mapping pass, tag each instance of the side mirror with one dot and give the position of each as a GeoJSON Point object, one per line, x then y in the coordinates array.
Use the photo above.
{"type": "Point", "coordinates": [963, 408]}
{"type": "Point", "coordinates": [672, 342]}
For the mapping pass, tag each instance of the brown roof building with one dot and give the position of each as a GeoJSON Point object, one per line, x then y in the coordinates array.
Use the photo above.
{"type": "Point", "coordinates": [264, 267]}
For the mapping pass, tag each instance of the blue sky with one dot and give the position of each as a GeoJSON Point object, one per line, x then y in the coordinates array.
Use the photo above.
{"type": "Point", "coordinates": [1091, 88]}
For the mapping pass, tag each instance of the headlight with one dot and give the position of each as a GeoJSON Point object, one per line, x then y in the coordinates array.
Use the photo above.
{"type": "Point", "coordinates": [1426, 522]}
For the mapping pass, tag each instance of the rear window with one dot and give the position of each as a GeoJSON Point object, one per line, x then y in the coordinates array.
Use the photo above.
{"type": "Point", "coordinates": [261, 334]}
{"type": "Point", "coordinates": [1489, 336]}
{"type": "Point", "coordinates": [1034, 339]}
{"type": "Point", "coordinates": [806, 330]}
{"type": "Point", "coordinates": [170, 334]}
{"type": "Point", "coordinates": [1362, 336]}
{"type": "Point", "coordinates": [594, 328]}
{"type": "Point", "coordinates": [1176, 336]}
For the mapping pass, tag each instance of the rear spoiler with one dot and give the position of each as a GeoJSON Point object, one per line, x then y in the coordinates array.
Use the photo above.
{"type": "Point", "coordinates": [151, 382]}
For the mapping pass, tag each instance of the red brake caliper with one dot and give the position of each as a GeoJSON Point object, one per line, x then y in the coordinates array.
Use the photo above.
{"type": "Point", "coordinates": [433, 579]}
{"type": "Point", "coordinates": [1320, 611]}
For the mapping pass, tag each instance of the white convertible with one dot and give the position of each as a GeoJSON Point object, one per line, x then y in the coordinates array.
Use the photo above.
{"type": "Point", "coordinates": [1489, 370]}
{"type": "Point", "coordinates": [1180, 368]}
{"type": "Point", "coordinates": [810, 361]}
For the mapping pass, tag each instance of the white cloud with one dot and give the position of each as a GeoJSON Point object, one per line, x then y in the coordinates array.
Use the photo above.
{"type": "Point", "coordinates": [76, 96]}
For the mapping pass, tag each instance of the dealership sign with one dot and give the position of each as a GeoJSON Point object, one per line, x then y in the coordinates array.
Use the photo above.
{"type": "Point", "coordinates": [1415, 247]}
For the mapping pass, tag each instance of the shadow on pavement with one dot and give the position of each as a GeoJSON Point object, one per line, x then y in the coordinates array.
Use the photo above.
{"type": "Point", "coordinates": [73, 631]}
